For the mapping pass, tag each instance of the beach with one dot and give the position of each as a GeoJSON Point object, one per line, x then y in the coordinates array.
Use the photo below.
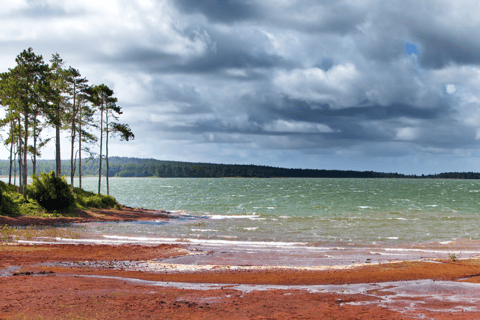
{"type": "Point", "coordinates": [85, 279]}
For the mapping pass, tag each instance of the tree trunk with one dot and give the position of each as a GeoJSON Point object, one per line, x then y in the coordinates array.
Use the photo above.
{"type": "Point", "coordinates": [106, 149]}
{"type": "Point", "coordinates": [34, 144]}
{"type": "Point", "coordinates": [19, 156]}
{"type": "Point", "coordinates": [15, 169]}
{"type": "Point", "coordinates": [101, 146]}
{"type": "Point", "coordinates": [11, 154]}
{"type": "Point", "coordinates": [80, 152]}
{"type": "Point", "coordinates": [72, 173]}
{"type": "Point", "coordinates": [57, 146]}
{"type": "Point", "coordinates": [25, 151]}
{"type": "Point", "coordinates": [72, 162]}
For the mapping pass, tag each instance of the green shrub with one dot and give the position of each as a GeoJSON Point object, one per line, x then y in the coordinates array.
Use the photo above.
{"type": "Point", "coordinates": [9, 200]}
{"type": "Point", "coordinates": [7, 188]}
{"type": "Point", "coordinates": [51, 192]}
{"type": "Point", "coordinates": [92, 200]}
{"type": "Point", "coordinates": [13, 203]}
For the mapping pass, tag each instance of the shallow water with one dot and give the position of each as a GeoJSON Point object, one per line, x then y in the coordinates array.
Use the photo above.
{"type": "Point", "coordinates": [302, 210]}
{"type": "Point", "coordinates": [414, 297]}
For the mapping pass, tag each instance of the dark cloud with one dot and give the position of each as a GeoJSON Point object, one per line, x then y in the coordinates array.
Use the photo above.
{"type": "Point", "coordinates": [228, 57]}
{"type": "Point", "coordinates": [43, 10]}
{"type": "Point", "coordinates": [440, 50]}
{"type": "Point", "coordinates": [301, 110]}
{"type": "Point", "coordinates": [224, 51]}
{"type": "Point", "coordinates": [225, 11]}
{"type": "Point", "coordinates": [325, 64]}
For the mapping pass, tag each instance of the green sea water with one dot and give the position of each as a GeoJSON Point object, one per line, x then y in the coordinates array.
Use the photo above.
{"type": "Point", "coordinates": [362, 211]}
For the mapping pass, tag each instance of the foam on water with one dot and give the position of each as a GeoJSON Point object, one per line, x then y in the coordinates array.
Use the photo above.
{"type": "Point", "coordinates": [300, 210]}
{"type": "Point", "coordinates": [218, 217]}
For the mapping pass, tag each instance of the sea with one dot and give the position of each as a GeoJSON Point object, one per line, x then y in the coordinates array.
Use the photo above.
{"type": "Point", "coordinates": [315, 211]}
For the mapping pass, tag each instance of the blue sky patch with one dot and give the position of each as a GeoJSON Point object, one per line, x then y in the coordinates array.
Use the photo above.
{"type": "Point", "coordinates": [411, 48]}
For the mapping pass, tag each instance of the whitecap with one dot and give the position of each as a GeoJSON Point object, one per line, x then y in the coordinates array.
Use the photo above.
{"type": "Point", "coordinates": [219, 217]}
{"type": "Point", "coordinates": [115, 239]}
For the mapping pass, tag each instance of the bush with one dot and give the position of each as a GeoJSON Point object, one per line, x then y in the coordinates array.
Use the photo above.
{"type": "Point", "coordinates": [8, 199]}
{"type": "Point", "coordinates": [51, 192]}
{"type": "Point", "coordinates": [92, 200]}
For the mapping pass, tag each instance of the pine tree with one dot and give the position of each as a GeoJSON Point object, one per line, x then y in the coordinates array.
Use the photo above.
{"type": "Point", "coordinates": [112, 111]}
{"type": "Point", "coordinates": [100, 96]}
{"type": "Point", "coordinates": [56, 113]}
{"type": "Point", "coordinates": [76, 88]}
{"type": "Point", "coordinates": [27, 93]}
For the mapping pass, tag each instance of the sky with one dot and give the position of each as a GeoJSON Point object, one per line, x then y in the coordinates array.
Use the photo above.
{"type": "Point", "coordinates": [389, 86]}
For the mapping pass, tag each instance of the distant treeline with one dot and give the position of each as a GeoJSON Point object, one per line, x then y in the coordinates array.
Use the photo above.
{"type": "Point", "coordinates": [134, 167]}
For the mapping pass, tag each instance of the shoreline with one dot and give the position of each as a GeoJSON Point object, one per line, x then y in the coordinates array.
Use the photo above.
{"type": "Point", "coordinates": [103, 281]}
{"type": "Point", "coordinates": [136, 280]}
{"type": "Point", "coordinates": [91, 215]}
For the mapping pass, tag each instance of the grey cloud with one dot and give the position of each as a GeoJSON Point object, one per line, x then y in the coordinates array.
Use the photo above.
{"type": "Point", "coordinates": [43, 11]}
{"type": "Point", "coordinates": [231, 51]}
{"type": "Point", "coordinates": [440, 49]}
{"type": "Point", "coordinates": [349, 126]}
{"type": "Point", "coordinates": [336, 17]}
{"type": "Point", "coordinates": [443, 32]}
{"type": "Point", "coordinates": [226, 11]}
{"type": "Point", "coordinates": [254, 74]}
{"type": "Point", "coordinates": [226, 51]}
{"type": "Point", "coordinates": [326, 64]}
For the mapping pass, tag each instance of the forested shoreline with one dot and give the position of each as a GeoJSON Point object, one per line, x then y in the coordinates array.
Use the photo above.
{"type": "Point", "coordinates": [135, 167]}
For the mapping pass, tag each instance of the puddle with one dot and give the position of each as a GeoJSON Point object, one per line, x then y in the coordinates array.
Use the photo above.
{"type": "Point", "coordinates": [440, 290]}
{"type": "Point", "coordinates": [427, 295]}
{"type": "Point", "coordinates": [9, 271]}
{"type": "Point", "coordinates": [415, 298]}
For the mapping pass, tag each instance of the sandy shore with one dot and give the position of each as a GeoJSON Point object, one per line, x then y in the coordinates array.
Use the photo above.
{"type": "Point", "coordinates": [102, 282]}
{"type": "Point", "coordinates": [163, 281]}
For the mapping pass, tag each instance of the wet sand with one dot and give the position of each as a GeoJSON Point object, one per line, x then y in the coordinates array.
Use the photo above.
{"type": "Point", "coordinates": [84, 281]}
{"type": "Point", "coordinates": [205, 253]}
{"type": "Point", "coordinates": [121, 277]}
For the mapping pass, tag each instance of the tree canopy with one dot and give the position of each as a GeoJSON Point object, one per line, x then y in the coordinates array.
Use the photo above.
{"type": "Point", "coordinates": [37, 95]}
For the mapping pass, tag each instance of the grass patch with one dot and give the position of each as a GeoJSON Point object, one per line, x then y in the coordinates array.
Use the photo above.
{"type": "Point", "coordinates": [22, 248]}
{"type": "Point", "coordinates": [9, 234]}
{"type": "Point", "coordinates": [199, 224]}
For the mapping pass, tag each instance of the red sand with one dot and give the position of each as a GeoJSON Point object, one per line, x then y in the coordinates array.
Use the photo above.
{"type": "Point", "coordinates": [62, 295]}
{"type": "Point", "coordinates": [52, 292]}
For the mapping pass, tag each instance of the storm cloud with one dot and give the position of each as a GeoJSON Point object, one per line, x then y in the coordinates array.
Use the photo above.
{"type": "Point", "coordinates": [363, 85]}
